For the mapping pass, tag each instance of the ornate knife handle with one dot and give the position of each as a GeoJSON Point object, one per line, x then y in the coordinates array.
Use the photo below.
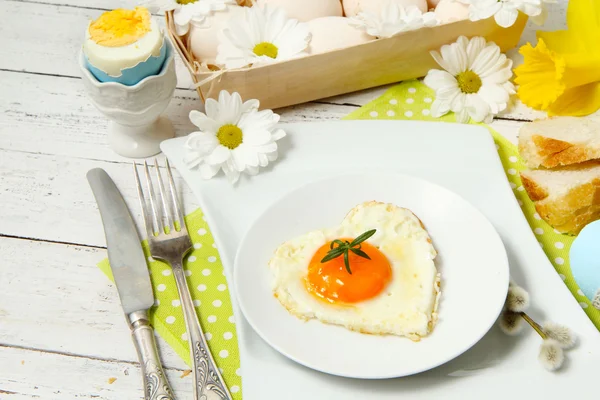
{"type": "Point", "coordinates": [156, 386]}
{"type": "Point", "coordinates": [208, 382]}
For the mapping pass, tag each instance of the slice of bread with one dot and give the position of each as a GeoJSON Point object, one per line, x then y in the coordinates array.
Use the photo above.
{"type": "Point", "coordinates": [559, 141]}
{"type": "Point", "coordinates": [567, 198]}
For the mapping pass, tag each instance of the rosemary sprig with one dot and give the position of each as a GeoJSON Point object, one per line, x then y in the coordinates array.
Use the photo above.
{"type": "Point", "coordinates": [345, 247]}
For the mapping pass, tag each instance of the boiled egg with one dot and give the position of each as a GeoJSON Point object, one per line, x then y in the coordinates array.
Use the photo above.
{"type": "Point", "coordinates": [203, 40]}
{"type": "Point", "coordinates": [394, 292]}
{"type": "Point", "coordinates": [124, 46]}
{"type": "Point", "coordinates": [306, 10]}
{"type": "Point", "coordinates": [332, 33]}
{"type": "Point", "coordinates": [450, 11]}
{"type": "Point", "coordinates": [354, 7]}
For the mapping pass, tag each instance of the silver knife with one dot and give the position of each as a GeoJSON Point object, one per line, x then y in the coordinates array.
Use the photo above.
{"type": "Point", "coordinates": [129, 268]}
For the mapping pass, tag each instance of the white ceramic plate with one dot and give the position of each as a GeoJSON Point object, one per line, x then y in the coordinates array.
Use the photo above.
{"type": "Point", "coordinates": [472, 261]}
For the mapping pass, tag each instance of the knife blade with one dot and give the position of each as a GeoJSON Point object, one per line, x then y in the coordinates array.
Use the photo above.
{"type": "Point", "coordinates": [127, 260]}
{"type": "Point", "coordinates": [130, 272]}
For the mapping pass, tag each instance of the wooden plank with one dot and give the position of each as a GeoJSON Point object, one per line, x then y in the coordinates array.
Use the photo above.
{"type": "Point", "coordinates": [50, 115]}
{"type": "Point", "coordinates": [47, 197]}
{"type": "Point", "coordinates": [95, 4]}
{"type": "Point", "coordinates": [54, 298]}
{"type": "Point", "coordinates": [29, 374]}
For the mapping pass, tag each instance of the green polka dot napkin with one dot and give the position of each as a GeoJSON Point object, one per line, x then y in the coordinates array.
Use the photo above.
{"type": "Point", "coordinates": [412, 100]}
{"type": "Point", "coordinates": [210, 292]}
{"type": "Point", "coordinates": [408, 100]}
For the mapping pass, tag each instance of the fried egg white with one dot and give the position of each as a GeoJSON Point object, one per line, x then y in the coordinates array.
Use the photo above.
{"type": "Point", "coordinates": [404, 303]}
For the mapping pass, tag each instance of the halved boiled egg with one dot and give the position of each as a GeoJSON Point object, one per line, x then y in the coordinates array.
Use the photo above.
{"type": "Point", "coordinates": [394, 291]}
{"type": "Point", "coordinates": [124, 46]}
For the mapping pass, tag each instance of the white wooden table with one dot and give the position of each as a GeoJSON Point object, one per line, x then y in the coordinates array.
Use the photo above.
{"type": "Point", "coordinates": [62, 332]}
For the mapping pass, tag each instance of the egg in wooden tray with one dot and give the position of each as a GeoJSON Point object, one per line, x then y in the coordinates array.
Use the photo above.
{"type": "Point", "coordinates": [374, 273]}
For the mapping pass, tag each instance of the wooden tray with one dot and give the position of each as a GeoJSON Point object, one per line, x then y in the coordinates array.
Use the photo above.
{"type": "Point", "coordinates": [376, 63]}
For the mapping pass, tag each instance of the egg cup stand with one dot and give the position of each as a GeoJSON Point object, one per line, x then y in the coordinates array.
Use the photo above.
{"type": "Point", "coordinates": [372, 64]}
{"type": "Point", "coordinates": [137, 127]}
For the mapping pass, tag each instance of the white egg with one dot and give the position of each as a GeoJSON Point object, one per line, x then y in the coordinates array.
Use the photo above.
{"type": "Point", "coordinates": [332, 33]}
{"type": "Point", "coordinates": [404, 305]}
{"type": "Point", "coordinates": [353, 7]}
{"type": "Point", "coordinates": [204, 40]}
{"type": "Point", "coordinates": [450, 11]}
{"type": "Point", "coordinates": [306, 10]}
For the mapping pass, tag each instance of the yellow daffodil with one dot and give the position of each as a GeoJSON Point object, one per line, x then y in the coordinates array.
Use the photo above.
{"type": "Point", "coordinates": [561, 75]}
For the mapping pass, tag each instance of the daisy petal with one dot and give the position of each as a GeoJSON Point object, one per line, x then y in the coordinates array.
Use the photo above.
{"type": "Point", "coordinates": [211, 107]}
{"type": "Point", "coordinates": [232, 175]}
{"type": "Point", "coordinates": [439, 108]}
{"type": "Point", "coordinates": [257, 137]}
{"type": "Point", "coordinates": [462, 117]}
{"type": "Point", "coordinates": [493, 94]}
{"type": "Point", "coordinates": [203, 122]}
{"type": "Point", "coordinates": [474, 48]}
{"type": "Point", "coordinates": [437, 79]}
{"type": "Point", "coordinates": [477, 108]}
{"type": "Point", "coordinates": [208, 171]}
{"type": "Point", "coordinates": [237, 159]}
{"type": "Point", "coordinates": [219, 155]}
{"type": "Point", "coordinates": [201, 142]}
{"type": "Point", "coordinates": [506, 17]}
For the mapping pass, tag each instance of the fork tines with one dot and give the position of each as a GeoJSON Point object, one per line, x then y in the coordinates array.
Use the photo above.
{"type": "Point", "coordinates": [166, 216]}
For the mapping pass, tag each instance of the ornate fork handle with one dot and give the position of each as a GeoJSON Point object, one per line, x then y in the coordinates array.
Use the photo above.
{"type": "Point", "coordinates": [155, 382]}
{"type": "Point", "coordinates": [209, 384]}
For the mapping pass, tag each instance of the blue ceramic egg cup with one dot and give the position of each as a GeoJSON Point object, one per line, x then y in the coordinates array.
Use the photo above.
{"type": "Point", "coordinates": [135, 74]}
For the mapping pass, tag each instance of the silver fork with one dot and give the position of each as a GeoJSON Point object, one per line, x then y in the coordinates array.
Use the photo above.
{"type": "Point", "coordinates": [172, 247]}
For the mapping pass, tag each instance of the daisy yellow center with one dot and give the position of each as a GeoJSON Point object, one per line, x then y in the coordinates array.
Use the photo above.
{"type": "Point", "coordinates": [468, 82]}
{"type": "Point", "coordinates": [230, 136]}
{"type": "Point", "coordinates": [184, 2]}
{"type": "Point", "coordinates": [120, 27]}
{"type": "Point", "coordinates": [266, 49]}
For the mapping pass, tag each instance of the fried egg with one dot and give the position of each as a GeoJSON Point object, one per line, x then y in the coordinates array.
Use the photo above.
{"type": "Point", "coordinates": [396, 292]}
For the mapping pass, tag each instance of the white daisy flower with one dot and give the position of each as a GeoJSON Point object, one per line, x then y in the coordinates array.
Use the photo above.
{"type": "Point", "coordinates": [393, 19]}
{"type": "Point", "coordinates": [263, 35]}
{"type": "Point", "coordinates": [505, 12]}
{"type": "Point", "coordinates": [475, 80]}
{"type": "Point", "coordinates": [189, 11]}
{"type": "Point", "coordinates": [233, 136]}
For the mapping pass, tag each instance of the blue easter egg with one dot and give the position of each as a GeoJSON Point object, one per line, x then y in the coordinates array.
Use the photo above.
{"type": "Point", "coordinates": [585, 260]}
{"type": "Point", "coordinates": [133, 75]}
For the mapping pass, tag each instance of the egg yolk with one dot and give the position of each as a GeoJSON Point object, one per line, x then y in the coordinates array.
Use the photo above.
{"type": "Point", "coordinates": [120, 27]}
{"type": "Point", "coordinates": [331, 281]}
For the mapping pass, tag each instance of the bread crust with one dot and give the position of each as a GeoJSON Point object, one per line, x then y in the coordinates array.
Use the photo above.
{"type": "Point", "coordinates": [535, 191]}
{"type": "Point", "coordinates": [539, 150]}
{"type": "Point", "coordinates": [571, 212]}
